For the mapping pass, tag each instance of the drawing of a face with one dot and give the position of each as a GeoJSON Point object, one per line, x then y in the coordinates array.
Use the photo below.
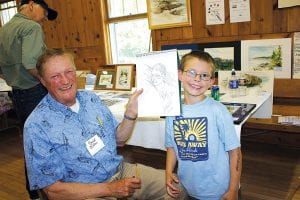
{"type": "Point", "coordinates": [158, 74]}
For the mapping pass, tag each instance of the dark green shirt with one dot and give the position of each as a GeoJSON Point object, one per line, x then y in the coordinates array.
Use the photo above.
{"type": "Point", "coordinates": [21, 44]}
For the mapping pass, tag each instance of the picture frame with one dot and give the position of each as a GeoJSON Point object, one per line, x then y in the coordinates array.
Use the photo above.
{"type": "Point", "coordinates": [227, 55]}
{"type": "Point", "coordinates": [124, 76]}
{"type": "Point", "coordinates": [287, 3]}
{"type": "Point", "coordinates": [168, 14]}
{"type": "Point", "coordinates": [105, 79]}
{"type": "Point", "coordinates": [267, 55]}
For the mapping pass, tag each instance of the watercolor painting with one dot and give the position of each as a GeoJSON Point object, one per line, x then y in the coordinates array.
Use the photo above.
{"type": "Point", "coordinates": [168, 13]}
{"type": "Point", "coordinates": [267, 55]}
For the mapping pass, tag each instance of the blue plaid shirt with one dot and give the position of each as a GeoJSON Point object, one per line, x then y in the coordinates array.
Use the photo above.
{"type": "Point", "coordinates": [54, 142]}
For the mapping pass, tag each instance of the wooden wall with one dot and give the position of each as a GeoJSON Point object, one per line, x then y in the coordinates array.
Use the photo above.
{"type": "Point", "coordinates": [267, 21]}
{"type": "Point", "coordinates": [79, 27]}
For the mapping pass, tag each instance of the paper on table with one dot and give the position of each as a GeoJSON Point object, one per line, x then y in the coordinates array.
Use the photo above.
{"type": "Point", "coordinates": [157, 74]}
{"type": "Point", "coordinates": [289, 120]}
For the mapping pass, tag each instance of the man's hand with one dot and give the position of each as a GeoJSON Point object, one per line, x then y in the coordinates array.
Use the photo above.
{"type": "Point", "coordinates": [132, 105]}
{"type": "Point", "coordinates": [124, 187]}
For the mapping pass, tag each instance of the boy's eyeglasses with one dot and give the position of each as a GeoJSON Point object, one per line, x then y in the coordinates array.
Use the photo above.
{"type": "Point", "coordinates": [193, 74]}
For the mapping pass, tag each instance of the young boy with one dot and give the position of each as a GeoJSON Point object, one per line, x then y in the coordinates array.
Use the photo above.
{"type": "Point", "coordinates": [203, 139]}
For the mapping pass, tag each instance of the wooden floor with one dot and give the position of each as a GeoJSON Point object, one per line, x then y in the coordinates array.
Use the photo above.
{"type": "Point", "coordinates": [269, 172]}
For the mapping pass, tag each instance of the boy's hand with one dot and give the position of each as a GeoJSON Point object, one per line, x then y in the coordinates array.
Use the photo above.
{"type": "Point", "coordinates": [171, 181]}
{"type": "Point", "coordinates": [230, 195]}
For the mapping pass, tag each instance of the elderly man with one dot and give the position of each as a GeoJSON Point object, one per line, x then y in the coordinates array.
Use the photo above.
{"type": "Point", "coordinates": [70, 142]}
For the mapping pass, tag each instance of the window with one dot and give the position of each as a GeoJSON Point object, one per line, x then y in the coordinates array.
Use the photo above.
{"type": "Point", "coordinates": [128, 29]}
{"type": "Point", "coordinates": [7, 10]}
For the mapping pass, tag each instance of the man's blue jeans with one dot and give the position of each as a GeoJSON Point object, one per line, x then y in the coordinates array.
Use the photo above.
{"type": "Point", "coordinates": [24, 102]}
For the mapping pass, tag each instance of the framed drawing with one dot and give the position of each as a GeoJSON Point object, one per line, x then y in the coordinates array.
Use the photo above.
{"type": "Point", "coordinates": [267, 55]}
{"type": "Point", "coordinates": [167, 14]}
{"type": "Point", "coordinates": [124, 77]}
{"type": "Point", "coordinates": [105, 79]}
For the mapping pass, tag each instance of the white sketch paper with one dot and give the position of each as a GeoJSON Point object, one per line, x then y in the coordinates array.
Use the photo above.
{"type": "Point", "coordinates": [296, 68]}
{"type": "Point", "coordinates": [157, 74]}
{"type": "Point", "coordinates": [267, 55]}
{"type": "Point", "coordinates": [239, 11]}
{"type": "Point", "coordinates": [215, 12]}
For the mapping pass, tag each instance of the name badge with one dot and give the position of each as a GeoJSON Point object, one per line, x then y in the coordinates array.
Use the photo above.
{"type": "Point", "coordinates": [94, 145]}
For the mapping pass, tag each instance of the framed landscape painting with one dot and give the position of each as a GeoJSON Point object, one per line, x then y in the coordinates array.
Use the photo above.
{"type": "Point", "coordinates": [226, 54]}
{"type": "Point", "coordinates": [267, 55]}
{"type": "Point", "coordinates": [169, 13]}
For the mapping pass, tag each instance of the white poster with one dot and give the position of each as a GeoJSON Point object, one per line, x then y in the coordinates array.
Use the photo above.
{"type": "Point", "coordinates": [215, 12]}
{"type": "Point", "coordinates": [157, 74]}
{"type": "Point", "coordinates": [296, 67]}
{"type": "Point", "coordinates": [239, 11]}
{"type": "Point", "coordinates": [267, 55]}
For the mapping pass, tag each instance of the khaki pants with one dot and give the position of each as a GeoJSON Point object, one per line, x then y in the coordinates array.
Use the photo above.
{"type": "Point", "coordinates": [153, 182]}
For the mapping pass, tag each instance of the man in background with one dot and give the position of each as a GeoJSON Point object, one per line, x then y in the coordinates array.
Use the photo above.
{"type": "Point", "coordinates": [21, 44]}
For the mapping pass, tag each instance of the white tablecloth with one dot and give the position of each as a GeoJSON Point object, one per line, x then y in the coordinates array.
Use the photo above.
{"type": "Point", "coordinates": [150, 132]}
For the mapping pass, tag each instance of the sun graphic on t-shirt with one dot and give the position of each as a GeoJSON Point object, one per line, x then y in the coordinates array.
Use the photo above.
{"type": "Point", "coordinates": [190, 129]}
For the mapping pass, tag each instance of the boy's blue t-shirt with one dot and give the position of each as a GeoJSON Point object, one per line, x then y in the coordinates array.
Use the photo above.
{"type": "Point", "coordinates": [201, 138]}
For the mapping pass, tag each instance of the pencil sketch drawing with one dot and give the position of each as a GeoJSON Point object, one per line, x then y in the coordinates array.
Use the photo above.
{"type": "Point", "coordinates": [162, 83]}
{"type": "Point", "coordinates": [159, 79]}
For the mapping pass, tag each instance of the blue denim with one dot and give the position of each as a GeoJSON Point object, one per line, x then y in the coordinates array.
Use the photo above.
{"type": "Point", "coordinates": [24, 103]}
{"type": "Point", "coordinates": [26, 100]}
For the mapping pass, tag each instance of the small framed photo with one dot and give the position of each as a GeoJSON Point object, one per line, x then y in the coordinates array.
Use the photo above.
{"type": "Point", "coordinates": [168, 14]}
{"type": "Point", "coordinates": [105, 79]}
{"type": "Point", "coordinates": [125, 76]}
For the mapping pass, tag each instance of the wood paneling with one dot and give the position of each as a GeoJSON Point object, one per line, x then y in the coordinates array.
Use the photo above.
{"type": "Point", "coordinates": [80, 26]}
{"type": "Point", "coordinates": [267, 21]}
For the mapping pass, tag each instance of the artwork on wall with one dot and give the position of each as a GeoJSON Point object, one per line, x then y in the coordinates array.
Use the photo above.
{"type": "Point", "coordinates": [288, 3]}
{"type": "Point", "coordinates": [296, 50]}
{"type": "Point", "coordinates": [124, 77]}
{"type": "Point", "coordinates": [267, 55]}
{"type": "Point", "coordinates": [168, 13]}
{"type": "Point", "coordinates": [157, 74]}
{"type": "Point", "coordinates": [215, 12]}
{"type": "Point", "coordinates": [105, 79]}
{"type": "Point", "coordinates": [225, 54]}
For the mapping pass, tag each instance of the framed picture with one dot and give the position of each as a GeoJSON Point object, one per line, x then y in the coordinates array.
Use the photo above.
{"type": "Point", "coordinates": [287, 3]}
{"type": "Point", "coordinates": [105, 79]}
{"type": "Point", "coordinates": [125, 76]}
{"type": "Point", "coordinates": [226, 54]}
{"type": "Point", "coordinates": [267, 55]}
{"type": "Point", "coordinates": [167, 14]}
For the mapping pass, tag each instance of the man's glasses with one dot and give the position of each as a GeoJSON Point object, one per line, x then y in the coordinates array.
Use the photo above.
{"type": "Point", "coordinates": [193, 74]}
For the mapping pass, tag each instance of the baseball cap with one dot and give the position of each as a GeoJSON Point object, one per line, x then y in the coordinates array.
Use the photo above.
{"type": "Point", "coordinates": [52, 14]}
